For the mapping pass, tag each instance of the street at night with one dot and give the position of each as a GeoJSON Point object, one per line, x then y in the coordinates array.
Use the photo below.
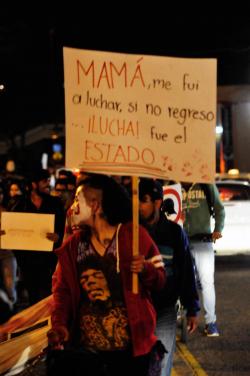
{"type": "Point", "coordinates": [228, 354]}
{"type": "Point", "coordinates": [90, 107]}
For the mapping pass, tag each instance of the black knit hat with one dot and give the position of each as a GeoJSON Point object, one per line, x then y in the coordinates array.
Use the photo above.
{"type": "Point", "coordinates": [150, 187]}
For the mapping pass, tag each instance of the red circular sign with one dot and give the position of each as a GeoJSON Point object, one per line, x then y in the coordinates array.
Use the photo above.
{"type": "Point", "coordinates": [176, 194]}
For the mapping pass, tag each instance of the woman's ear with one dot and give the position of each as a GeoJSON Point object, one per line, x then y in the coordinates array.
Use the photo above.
{"type": "Point", "coordinates": [96, 206]}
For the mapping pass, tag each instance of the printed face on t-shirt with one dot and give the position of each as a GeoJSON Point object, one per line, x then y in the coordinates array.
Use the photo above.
{"type": "Point", "coordinates": [94, 283]}
{"type": "Point", "coordinates": [81, 211]}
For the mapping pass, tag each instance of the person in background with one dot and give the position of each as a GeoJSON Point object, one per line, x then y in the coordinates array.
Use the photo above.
{"type": "Point", "coordinates": [197, 204]}
{"type": "Point", "coordinates": [95, 310]}
{"type": "Point", "coordinates": [62, 191]}
{"type": "Point", "coordinates": [19, 201]}
{"type": "Point", "coordinates": [82, 175]}
{"type": "Point", "coordinates": [37, 267]}
{"type": "Point", "coordinates": [60, 187]}
{"type": "Point", "coordinates": [126, 181]}
{"type": "Point", "coordinates": [64, 174]}
{"type": "Point", "coordinates": [16, 193]}
{"type": "Point", "coordinates": [8, 271]}
{"type": "Point", "coordinates": [173, 245]}
{"type": "Point", "coordinates": [71, 180]}
{"type": "Point", "coordinates": [44, 203]}
{"type": "Point", "coordinates": [71, 185]}
{"type": "Point", "coordinates": [15, 189]}
{"type": "Point", "coordinates": [10, 174]}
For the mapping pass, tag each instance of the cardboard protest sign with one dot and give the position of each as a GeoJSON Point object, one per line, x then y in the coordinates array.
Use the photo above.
{"type": "Point", "coordinates": [27, 231]}
{"type": "Point", "coordinates": [140, 115]}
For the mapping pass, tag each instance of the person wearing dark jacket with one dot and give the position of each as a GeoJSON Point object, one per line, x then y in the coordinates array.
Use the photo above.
{"type": "Point", "coordinates": [95, 309]}
{"type": "Point", "coordinates": [173, 244]}
{"type": "Point", "coordinates": [8, 272]}
{"type": "Point", "coordinates": [37, 267]}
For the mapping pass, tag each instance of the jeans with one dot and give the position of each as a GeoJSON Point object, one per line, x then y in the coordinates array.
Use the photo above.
{"type": "Point", "coordinates": [203, 254]}
{"type": "Point", "coordinates": [166, 333]}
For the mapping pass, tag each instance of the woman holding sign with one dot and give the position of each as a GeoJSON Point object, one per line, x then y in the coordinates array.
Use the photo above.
{"type": "Point", "coordinates": [95, 311]}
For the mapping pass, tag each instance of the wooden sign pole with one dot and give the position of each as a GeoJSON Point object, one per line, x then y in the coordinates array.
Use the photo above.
{"type": "Point", "coordinates": [135, 244]}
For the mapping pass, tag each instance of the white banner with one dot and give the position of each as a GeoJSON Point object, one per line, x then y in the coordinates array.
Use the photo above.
{"type": "Point", "coordinates": [140, 115]}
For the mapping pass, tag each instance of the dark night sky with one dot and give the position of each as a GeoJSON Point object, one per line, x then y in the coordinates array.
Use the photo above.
{"type": "Point", "coordinates": [31, 44]}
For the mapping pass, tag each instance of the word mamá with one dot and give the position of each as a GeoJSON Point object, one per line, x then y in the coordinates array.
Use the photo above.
{"type": "Point", "coordinates": [110, 73]}
{"type": "Point", "coordinates": [113, 153]}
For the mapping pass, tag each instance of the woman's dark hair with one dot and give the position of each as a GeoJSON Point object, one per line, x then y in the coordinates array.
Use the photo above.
{"type": "Point", "coordinates": [19, 183]}
{"type": "Point", "coordinates": [116, 203]}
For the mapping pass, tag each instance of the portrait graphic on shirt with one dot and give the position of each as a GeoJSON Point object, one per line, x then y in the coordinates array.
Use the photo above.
{"type": "Point", "coordinates": [103, 321]}
{"type": "Point", "coordinates": [94, 283]}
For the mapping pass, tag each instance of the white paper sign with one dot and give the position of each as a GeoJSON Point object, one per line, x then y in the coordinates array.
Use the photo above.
{"type": "Point", "coordinates": [27, 231]}
{"type": "Point", "coordinates": [140, 115]}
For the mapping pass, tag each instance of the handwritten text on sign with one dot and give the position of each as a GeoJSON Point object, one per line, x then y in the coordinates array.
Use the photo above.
{"type": "Point", "coordinates": [140, 115]}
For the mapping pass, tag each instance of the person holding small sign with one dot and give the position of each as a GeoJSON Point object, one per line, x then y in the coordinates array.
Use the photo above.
{"type": "Point", "coordinates": [97, 318]}
{"type": "Point", "coordinates": [37, 267]}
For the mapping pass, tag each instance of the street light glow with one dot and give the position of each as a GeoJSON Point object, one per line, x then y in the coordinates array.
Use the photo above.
{"type": "Point", "coordinates": [219, 129]}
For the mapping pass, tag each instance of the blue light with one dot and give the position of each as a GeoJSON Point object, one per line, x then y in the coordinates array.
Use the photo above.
{"type": "Point", "coordinates": [57, 148]}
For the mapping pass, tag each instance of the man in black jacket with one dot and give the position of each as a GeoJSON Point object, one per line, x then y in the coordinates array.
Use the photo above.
{"type": "Point", "coordinates": [37, 267]}
{"type": "Point", "coordinates": [173, 244]}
